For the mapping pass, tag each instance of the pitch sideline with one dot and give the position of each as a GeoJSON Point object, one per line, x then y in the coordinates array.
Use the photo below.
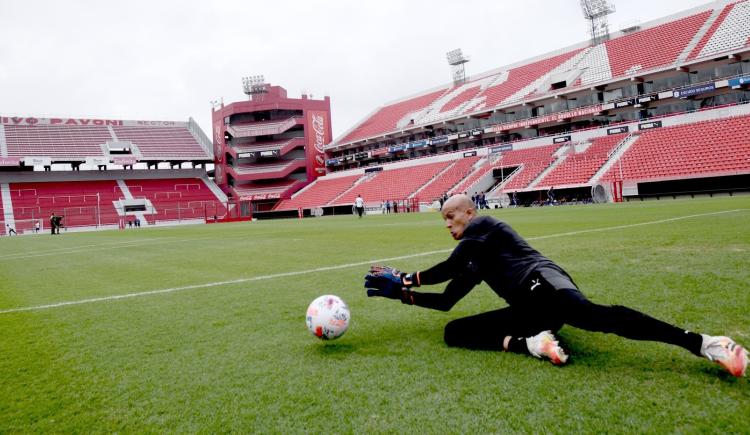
{"type": "Point", "coordinates": [337, 267]}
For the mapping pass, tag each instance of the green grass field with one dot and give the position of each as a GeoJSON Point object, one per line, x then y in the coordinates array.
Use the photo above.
{"type": "Point", "coordinates": [224, 347]}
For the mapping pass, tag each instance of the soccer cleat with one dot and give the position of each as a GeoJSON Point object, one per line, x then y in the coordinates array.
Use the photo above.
{"type": "Point", "coordinates": [725, 352]}
{"type": "Point", "coordinates": [544, 345]}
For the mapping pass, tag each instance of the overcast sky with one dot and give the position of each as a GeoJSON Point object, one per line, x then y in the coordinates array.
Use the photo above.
{"type": "Point", "coordinates": [166, 60]}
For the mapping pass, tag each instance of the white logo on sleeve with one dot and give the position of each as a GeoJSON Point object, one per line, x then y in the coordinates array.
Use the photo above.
{"type": "Point", "coordinates": [535, 283]}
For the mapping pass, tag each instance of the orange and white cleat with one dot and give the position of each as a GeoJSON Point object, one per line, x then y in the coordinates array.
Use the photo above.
{"type": "Point", "coordinates": [725, 352]}
{"type": "Point", "coordinates": [544, 345]}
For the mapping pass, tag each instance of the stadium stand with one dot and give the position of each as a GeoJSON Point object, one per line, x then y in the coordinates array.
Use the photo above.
{"type": "Point", "coordinates": [654, 47]}
{"type": "Point", "coordinates": [461, 98]}
{"type": "Point", "coordinates": [80, 168]}
{"type": "Point", "coordinates": [568, 118]}
{"type": "Point", "coordinates": [320, 193]}
{"type": "Point", "coordinates": [520, 167]}
{"type": "Point", "coordinates": [447, 179]}
{"type": "Point", "coordinates": [531, 162]}
{"type": "Point", "coordinates": [731, 30]}
{"type": "Point", "coordinates": [68, 140]}
{"type": "Point", "coordinates": [61, 141]}
{"type": "Point", "coordinates": [83, 203]}
{"type": "Point", "coordinates": [176, 199]}
{"type": "Point", "coordinates": [391, 117]}
{"type": "Point", "coordinates": [393, 183]}
{"type": "Point", "coordinates": [262, 128]}
{"type": "Point", "coordinates": [162, 142]}
{"type": "Point", "coordinates": [466, 185]}
{"type": "Point", "coordinates": [280, 147]}
{"type": "Point", "coordinates": [708, 148]}
{"type": "Point", "coordinates": [270, 146]}
{"type": "Point", "coordinates": [515, 87]}
{"type": "Point", "coordinates": [577, 168]}
{"type": "Point", "coordinates": [715, 28]}
{"type": "Point", "coordinates": [276, 169]}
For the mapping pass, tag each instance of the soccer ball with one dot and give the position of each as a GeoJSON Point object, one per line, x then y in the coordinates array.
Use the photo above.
{"type": "Point", "coordinates": [328, 317]}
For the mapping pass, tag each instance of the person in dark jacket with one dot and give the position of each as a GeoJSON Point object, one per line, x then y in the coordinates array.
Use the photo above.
{"type": "Point", "coordinates": [541, 296]}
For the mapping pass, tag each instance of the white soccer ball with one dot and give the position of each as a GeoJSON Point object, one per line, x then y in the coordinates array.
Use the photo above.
{"type": "Point", "coordinates": [328, 317]}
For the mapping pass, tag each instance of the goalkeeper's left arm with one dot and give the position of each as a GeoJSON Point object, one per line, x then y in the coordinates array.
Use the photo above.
{"type": "Point", "coordinates": [454, 291]}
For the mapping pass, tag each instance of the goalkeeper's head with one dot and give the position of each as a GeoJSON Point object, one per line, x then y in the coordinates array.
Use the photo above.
{"type": "Point", "coordinates": [457, 212]}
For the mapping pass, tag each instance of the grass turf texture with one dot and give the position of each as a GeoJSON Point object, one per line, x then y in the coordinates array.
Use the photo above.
{"type": "Point", "coordinates": [237, 357]}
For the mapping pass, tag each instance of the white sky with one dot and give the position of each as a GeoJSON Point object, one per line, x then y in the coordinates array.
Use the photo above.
{"type": "Point", "coordinates": [165, 60]}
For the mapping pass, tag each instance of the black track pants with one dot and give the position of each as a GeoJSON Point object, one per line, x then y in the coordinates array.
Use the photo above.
{"type": "Point", "coordinates": [548, 308]}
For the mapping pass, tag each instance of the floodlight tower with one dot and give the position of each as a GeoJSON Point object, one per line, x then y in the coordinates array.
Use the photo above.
{"type": "Point", "coordinates": [456, 60]}
{"type": "Point", "coordinates": [596, 11]}
{"type": "Point", "coordinates": [254, 85]}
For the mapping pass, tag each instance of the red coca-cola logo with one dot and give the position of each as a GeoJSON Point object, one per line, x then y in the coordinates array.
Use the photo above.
{"type": "Point", "coordinates": [319, 127]}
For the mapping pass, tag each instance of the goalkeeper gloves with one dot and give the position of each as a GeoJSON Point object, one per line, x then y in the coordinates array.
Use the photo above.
{"type": "Point", "coordinates": [390, 283]}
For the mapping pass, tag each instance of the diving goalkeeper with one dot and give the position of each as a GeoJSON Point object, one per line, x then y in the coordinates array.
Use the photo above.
{"type": "Point", "coordinates": [540, 294]}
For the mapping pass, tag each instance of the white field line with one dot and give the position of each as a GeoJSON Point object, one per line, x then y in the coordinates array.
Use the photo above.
{"type": "Point", "coordinates": [336, 267]}
{"type": "Point", "coordinates": [139, 243]}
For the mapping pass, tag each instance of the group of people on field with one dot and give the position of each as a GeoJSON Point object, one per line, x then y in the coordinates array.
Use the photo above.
{"type": "Point", "coordinates": [55, 223]}
{"type": "Point", "coordinates": [387, 206]}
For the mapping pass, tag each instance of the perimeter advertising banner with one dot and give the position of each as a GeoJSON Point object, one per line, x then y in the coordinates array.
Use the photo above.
{"type": "Point", "coordinates": [317, 135]}
{"type": "Point", "coordinates": [585, 111]}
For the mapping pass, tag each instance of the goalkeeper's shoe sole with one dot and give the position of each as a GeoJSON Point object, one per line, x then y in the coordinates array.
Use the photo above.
{"type": "Point", "coordinates": [544, 345]}
{"type": "Point", "coordinates": [725, 352]}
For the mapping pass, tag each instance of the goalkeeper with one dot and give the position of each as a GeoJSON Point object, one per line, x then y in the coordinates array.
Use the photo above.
{"type": "Point", "coordinates": [541, 297]}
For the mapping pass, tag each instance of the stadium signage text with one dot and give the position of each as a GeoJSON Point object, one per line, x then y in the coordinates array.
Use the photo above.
{"type": "Point", "coordinates": [260, 197]}
{"type": "Point", "coordinates": [439, 140]}
{"type": "Point", "coordinates": [738, 82]}
{"type": "Point", "coordinates": [13, 120]}
{"type": "Point", "coordinates": [156, 123]}
{"type": "Point", "coordinates": [10, 161]}
{"type": "Point", "coordinates": [418, 144]}
{"type": "Point", "coordinates": [689, 91]}
{"type": "Point", "coordinates": [501, 148]}
{"type": "Point", "coordinates": [546, 118]}
{"type": "Point", "coordinates": [561, 139]}
{"type": "Point", "coordinates": [37, 161]}
{"type": "Point", "coordinates": [97, 161]}
{"type": "Point", "coordinates": [124, 160]}
{"type": "Point", "coordinates": [379, 151]}
{"type": "Point", "coordinates": [618, 130]}
{"type": "Point", "coordinates": [648, 125]}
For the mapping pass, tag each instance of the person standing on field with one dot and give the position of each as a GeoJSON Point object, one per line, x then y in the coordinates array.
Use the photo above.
{"type": "Point", "coordinates": [52, 223]}
{"type": "Point", "coordinates": [359, 206]}
{"type": "Point", "coordinates": [541, 296]}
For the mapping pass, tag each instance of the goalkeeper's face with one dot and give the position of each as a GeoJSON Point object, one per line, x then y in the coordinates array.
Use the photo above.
{"type": "Point", "coordinates": [457, 212]}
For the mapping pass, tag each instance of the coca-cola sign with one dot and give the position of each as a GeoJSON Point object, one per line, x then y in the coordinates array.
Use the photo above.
{"type": "Point", "coordinates": [319, 128]}
{"type": "Point", "coordinates": [318, 135]}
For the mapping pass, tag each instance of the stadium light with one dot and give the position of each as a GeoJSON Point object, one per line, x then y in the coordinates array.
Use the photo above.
{"type": "Point", "coordinates": [253, 85]}
{"type": "Point", "coordinates": [596, 11]}
{"type": "Point", "coordinates": [456, 57]}
{"type": "Point", "coordinates": [456, 60]}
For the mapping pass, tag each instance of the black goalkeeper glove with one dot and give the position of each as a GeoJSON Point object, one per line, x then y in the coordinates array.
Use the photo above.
{"type": "Point", "coordinates": [388, 282]}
